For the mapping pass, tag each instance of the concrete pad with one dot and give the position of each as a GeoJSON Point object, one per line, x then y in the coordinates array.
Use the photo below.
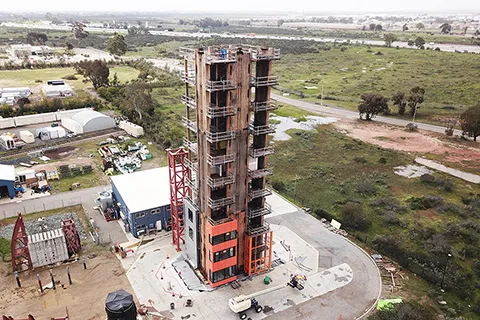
{"type": "Point", "coordinates": [279, 205]}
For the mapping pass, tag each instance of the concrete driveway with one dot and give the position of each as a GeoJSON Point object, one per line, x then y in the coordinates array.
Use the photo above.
{"type": "Point", "coordinates": [350, 301]}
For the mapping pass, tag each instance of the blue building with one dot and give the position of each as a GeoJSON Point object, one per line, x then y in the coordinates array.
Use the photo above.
{"type": "Point", "coordinates": [143, 200]}
{"type": "Point", "coordinates": [7, 181]}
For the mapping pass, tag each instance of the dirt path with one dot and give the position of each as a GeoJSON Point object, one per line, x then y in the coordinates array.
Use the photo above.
{"type": "Point", "coordinates": [85, 298]}
{"type": "Point", "coordinates": [448, 150]}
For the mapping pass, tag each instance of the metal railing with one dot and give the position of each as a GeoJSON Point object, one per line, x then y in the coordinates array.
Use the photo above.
{"type": "Point", "coordinates": [192, 146]}
{"type": "Point", "coordinates": [190, 124]}
{"type": "Point", "coordinates": [216, 182]}
{"type": "Point", "coordinates": [257, 193]}
{"type": "Point", "coordinates": [252, 231]}
{"type": "Point", "coordinates": [252, 213]}
{"type": "Point", "coordinates": [259, 173]}
{"type": "Point", "coordinates": [269, 54]}
{"type": "Point", "coordinates": [221, 55]}
{"type": "Point", "coordinates": [264, 106]}
{"type": "Point", "coordinates": [219, 136]}
{"type": "Point", "coordinates": [221, 85]}
{"type": "Point", "coordinates": [261, 152]}
{"type": "Point", "coordinates": [218, 203]}
{"type": "Point", "coordinates": [214, 111]}
{"type": "Point", "coordinates": [261, 129]}
{"type": "Point", "coordinates": [264, 81]}
{"type": "Point", "coordinates": [192, 165]}
{"type": "Point", "coordinates": [218, 160]}
{"type": "Point", "coordinates": [191, 183]}
{"type": "Point", "coordinates": [192, 202]}
{"type": "Point", "coordinates": [189, 77]}
{"type": "Point", "coordinates": [189, 101]}
{"type": "Point", "coordinates": [219, 221]}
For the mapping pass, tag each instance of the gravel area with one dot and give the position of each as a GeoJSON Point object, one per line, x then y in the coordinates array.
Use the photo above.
{"type": "Point", "coordinates": [47, 223]}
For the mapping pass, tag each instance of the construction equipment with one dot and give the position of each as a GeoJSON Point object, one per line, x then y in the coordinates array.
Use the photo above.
{"type": "Point", "coordinates": [242, 303]}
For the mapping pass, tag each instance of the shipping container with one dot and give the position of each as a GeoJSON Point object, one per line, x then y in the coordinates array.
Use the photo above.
{"type": "Point", "coordinates": [131, 128]}
{"type": "Point", "coordinates": [27, 136]}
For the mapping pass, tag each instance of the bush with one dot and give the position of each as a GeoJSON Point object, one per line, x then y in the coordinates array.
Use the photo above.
{"type": "Point", "coordinates": [38, 80]}
{"type": "Point", "coordinates": [320, 213]}
{"type": "Point", "coordinates": [405, 311]}
{"type": "Point", "coordinates": [70, 77]}
{"type": "Point", "coordinates": [390, 217]}
{"type": "Point", "coordinates": [390, 204]}
{"type": "Point", "coordinates": [382, 160]}
{"type": "Point", "coordinates": [426, 202]}
{"type": "Point", "coordinates": [366, 188]}
{"type": "Point", "coordinates": [279, 186]}
{"type": "Point", "coordinates": [354, 217]}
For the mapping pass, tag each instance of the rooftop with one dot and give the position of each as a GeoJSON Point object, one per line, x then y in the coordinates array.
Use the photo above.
{"type": "Point", "coordinates": [144, 190]}
{"type": "Point", "coordinates": [7, 172]}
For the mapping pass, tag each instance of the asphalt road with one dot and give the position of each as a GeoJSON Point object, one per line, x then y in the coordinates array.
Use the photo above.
{"type": "Point", "coordinates": [344, 113]}
{"type": "Point", "coordinates": [350, 301]}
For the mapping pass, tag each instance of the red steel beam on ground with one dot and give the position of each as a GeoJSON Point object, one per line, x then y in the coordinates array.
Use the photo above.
{"type": "Point", "coordinates": [178, 190]}
{"type": "Point", "coordinates": [20, 252]}
{"type": "Point", "coordinates": [71, 235]}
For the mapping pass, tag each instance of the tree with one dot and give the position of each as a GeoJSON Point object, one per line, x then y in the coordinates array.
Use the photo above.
{"type": "Point", "coordinates": [280, 22]}
{"type": "Point", "coordinates": [378, 27]}
{"type": "Point", "coordinates": [465, 30]}
{"type": "Point", "coordinates": [116, 44]}
{"type": "Point", "coordinates": [34, 38]}
{"type": "Point", "coordinates": [415, 99]}
{"type": "Point", "coordinates": [78, 30]}
{"type": "Point", "coordinates": [354, 217]}
{"type": "Point", "coordinates": [372, 26]}
{"type": "Point", "coordinates": [405, 27]}
{"type": "Point", "coordinates": [389, 39]}
{"type": "Point", "coordinates": [138, 101]}
{"type": "Point", "coordinates": [419, 42]}
{"type": "Point", "coordinates": [411, 43]}
{"type": "Point", "coordinates": [400, 100]}
{"type": "Point", "coordinates": [133, 31]}
{"type": "Point", "coordinates": [95, 71]}
{"type": "Point", "coordinates": [445, 28]}
{"type": "Point", "coordinates": [68, 45]}
{"type": "Point", "coordinates": [372, 104]}
{"type": "Point", "coordinates": [477, 33]}
{"type": "Point", "coordinates": [470, 122]}
{"type": "Point", "coordinates": [420, 26]}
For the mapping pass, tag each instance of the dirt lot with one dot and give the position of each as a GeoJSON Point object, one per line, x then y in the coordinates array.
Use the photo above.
{"type": "Point", "coordinates": [85, 298]}
{"type": "Point", "coordinates": [449, 151]}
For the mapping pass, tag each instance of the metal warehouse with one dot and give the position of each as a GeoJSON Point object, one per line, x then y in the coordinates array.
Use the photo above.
{"type": "Point", "coordinates": [143, 199]}
{"type": "Point", "coordinates": [7, 181]}
{"type": "Point", "coordinates": [88, 121]}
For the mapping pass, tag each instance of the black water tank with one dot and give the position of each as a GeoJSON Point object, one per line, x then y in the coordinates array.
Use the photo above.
{"type": "Point", "coordinates": [120, 306]}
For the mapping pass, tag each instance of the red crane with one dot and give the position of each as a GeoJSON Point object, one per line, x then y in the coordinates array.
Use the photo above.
{"type": "Point", "coordinates": [178, 190]}
{"type": "Point", "coordinates": [20, 252]}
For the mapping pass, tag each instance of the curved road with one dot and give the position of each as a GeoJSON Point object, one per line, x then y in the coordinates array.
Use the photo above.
{"type": "Point", "coordinates": [344, 113]}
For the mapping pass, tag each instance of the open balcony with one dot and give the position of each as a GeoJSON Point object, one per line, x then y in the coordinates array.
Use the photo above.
{"type": "Point", "coordinates": [189, 101]}
{"type": "Point", "coordinates": [219, 136]}
{"type": "Point", "coordinates": [264, 81]}
{"type": "Point", "coordinates": [222, 85]}
{"type": "Point", "coordinates": [261, 152]}
{"type": "Point", "coordinates": [219, 160]}
{"type": "Point", "coordinates": [258, 193]}
{"type": "Point", "coordinates": [258, 54]}
{"type": "Point", "coordinates": [264, 106]}
{"type": "Point", "coordinates": [189, 77]}
{"type": "Point", "coordinates": [257, 130]}
{"type": "Point", "coordinates": [221, 55]}
{"type": "Point", "coordinates": [190, 124]}
{"type": "Point", "coordinates": [219, 203]}
{"type": "Point", "coordinates": [253, 231]}
{"type": "Point", "coordinates": [214, 111]}
{"type": "Point", "coordinates": [192, 165]}
{"type": "Point", "coordinates": [190, 145]}
{"type": "Point", "coordinates": [257, 212]}
{"type": "Point", "coordinates": [217, 181]}
{"type": "Point", "coordinates": [259, 173]}
{"type": "Point", "coordinates": [192, 184]}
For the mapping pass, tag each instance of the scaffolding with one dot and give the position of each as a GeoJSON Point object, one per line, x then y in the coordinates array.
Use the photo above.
{"type": "Point", "coordinates": [178, 174]}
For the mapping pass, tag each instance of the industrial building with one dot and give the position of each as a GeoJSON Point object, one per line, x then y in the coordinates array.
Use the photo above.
{"type": "Point", "coordinates": [7, 181]}
{"type": "Point", "coordinates": [143, 200]}
{"type": "Point", "coordinates": [88, 121]}
{"type": "Point", "coordinates": [58, 91]}
{"type": "Point", "coordinates": [26, 50]}
{"type": "Point", "coordinates": [228, 103]}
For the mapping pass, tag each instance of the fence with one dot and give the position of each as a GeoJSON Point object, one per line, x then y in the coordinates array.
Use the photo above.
{"type": "Point", "coordinates": [36, 206]}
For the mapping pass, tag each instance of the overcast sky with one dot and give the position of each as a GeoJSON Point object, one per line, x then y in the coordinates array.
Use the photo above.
{"type": "Point", "coordinates": [304, 6]}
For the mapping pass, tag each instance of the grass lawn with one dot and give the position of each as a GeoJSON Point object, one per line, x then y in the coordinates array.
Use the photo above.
{"type": "Point", "coordinates": [326, 169]}
{"type": "Point", "coordinates": [450, 79]}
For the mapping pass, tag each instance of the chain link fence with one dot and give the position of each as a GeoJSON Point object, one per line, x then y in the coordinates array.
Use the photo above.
{"type": "Point", "coordinates": [26, 208]}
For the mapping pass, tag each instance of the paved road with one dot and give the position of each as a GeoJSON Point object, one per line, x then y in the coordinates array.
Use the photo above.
{"type": "Point", "coordinates": [454, 172]}
{"type": "Point", "coordinates": [359, 295]}
{"type": "Point", "coordinates": [344, 113]}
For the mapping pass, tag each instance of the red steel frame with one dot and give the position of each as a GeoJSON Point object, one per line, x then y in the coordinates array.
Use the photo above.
{"type": "Point", "coordinates": [20, 252]}
{"type": "Point", "coordinates": [71, 235]}
{"type": "Point", "coordinates": [261, 243]}
{"type": "Point", "coordinates": [178, 190]}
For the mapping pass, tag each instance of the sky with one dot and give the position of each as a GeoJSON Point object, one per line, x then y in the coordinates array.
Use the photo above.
{"type": "Point", "coordinates": [264, 6]}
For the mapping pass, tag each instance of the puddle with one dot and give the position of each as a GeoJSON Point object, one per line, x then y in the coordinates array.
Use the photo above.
{"type": "Point", "coordinates": [287, 123]}
{"type": "Point", "coordinates": [412, 171]}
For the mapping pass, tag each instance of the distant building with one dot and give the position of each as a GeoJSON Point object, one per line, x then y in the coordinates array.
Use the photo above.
{"type": "Point", "coordinates": [26, 50]}
{"type": "Point", "coordinates": [88, 121]}
{"type": "Point", "coordinates": [7, 142]}
{"type": "Point", "coordinates": [58, 91]}
{"type": "Point", "coordinates": [143, 200]}
{"type": "Point", "coordinates": [7, 181]}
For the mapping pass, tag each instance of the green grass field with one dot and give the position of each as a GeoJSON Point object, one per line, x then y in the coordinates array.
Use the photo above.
{"type": "Point", "coordinates": [450, 79]}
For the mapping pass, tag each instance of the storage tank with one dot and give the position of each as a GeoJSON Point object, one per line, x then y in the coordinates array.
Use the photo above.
{"type": "Point", "coordinates": [120, 306]}
{"type": "Point", "coordinates": [27, 136]}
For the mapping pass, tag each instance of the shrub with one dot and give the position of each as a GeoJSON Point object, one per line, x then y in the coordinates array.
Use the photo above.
{"type": "Point", "coordinates": [70, 77]}
{"type": "Point", "coordinates": [353, 216]}
{"type": "Point", "coordinates": [279, 186]}
{"type": "Point", "coordinates": [366, 188]}
{"type": "Point", "coordinates": [320, 213]}
{"type": "Point", "coordinates": [390, 204]}
{"type": "Point", "coordinates": [38, 80]}
{"type": "Point", "coordinates": [360, 160]}
{"type": "Point", "coordinates": [390, 217]}
{"type": "Point", "coordinates": [382, 160]}
{"type": "Point", "coordinates": [426, 202]}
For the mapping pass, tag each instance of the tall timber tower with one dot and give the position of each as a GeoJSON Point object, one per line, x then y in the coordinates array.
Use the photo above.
{"type": "Point", "coordinates": [227, 98]}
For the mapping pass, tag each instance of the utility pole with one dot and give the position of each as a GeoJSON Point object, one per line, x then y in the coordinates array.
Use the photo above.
{"type": "Point", "coordinates": [321, 97]}
{"type": "Point", "coordinates": [295, 188]}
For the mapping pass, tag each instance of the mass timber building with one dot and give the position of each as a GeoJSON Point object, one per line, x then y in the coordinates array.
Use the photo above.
{"type": "Point", "coordinates": [227, 98]}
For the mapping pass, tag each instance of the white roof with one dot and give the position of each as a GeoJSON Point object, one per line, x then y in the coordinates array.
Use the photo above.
{"type": "Point", "coordinates": [144, 190]}
{"type": "Point", "coordinates": [7, 172]}
{"type": "Point", "coordinates": [83, 117]}
{"type": "Point", "coordinates": [58, 88]}
{"type": "Point", "coordinates": [44, 236]}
